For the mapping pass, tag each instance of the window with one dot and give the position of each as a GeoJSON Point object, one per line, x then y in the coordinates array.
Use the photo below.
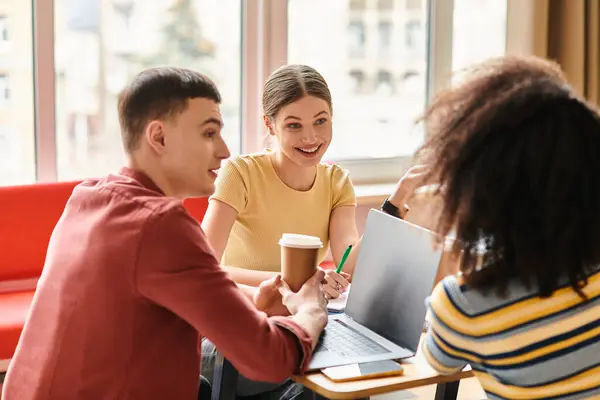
{"type": "Point", "coordinates": [413, 38]}
{"type": "Point", "coordinates": [356, 39]}
{"type": "Point", "coordinates": [3, 28]}
{"type": "Point", "coordinates": [374, 108]}
{"type": "Point", "coordinates": [383, 60]}
{"type": "Point", "coordinates": [358, 79]}
{"type": "Point", "coordinates": [358, 4]}
{"type": "Point", "coordinates": [6, 147]}
{"type": "Point", "coordinates": [4, 90]}
{"type": "Point", "coordinates": [483, 19]}
{"type": "Point", "coordinates": [17, 137]}
{"type": "Point", "coordinates": [100, 45]}
{"type": "Point", "coordinates": [385, 83]}
{"type": "Point", "coordinates": [385, 38]}
{"type": "Point", "coordinates": [414, 4]}
{"type": "Point", "coordinates": [385, 4]}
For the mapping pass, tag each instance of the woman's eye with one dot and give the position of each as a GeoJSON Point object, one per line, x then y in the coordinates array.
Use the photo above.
{"type": "Point", "coordinates": [210, 134]}
{"type": "Point", "coordinates": [321, 121]}
{"type": "Point", "coordinates": [294, 125]}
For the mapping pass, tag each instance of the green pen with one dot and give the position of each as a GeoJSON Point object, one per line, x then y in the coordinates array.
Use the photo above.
{"type": "Point", "coordinates": [344, 257]}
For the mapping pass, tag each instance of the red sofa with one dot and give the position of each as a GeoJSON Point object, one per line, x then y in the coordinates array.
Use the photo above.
{"type": "Point", "coordinates": [28, 215]}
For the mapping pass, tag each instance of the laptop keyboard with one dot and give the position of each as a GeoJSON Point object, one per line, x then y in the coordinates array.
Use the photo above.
{"type": "Point", "coordinates": [347, 342]}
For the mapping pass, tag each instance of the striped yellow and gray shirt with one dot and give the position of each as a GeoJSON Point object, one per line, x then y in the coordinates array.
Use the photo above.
{"type": "Point", "coordinates": [521, 346]}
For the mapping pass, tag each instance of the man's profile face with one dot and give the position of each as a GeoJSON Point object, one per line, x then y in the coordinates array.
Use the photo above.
{"type": "Point", "coordinates": [194, 147]}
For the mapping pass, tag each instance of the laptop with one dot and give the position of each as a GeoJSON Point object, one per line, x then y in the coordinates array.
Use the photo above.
{"type": "Point", "coordinates": [385, 311]}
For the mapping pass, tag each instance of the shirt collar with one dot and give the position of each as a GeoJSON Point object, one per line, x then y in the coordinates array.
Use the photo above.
{"type": "Point", "coordinates": [140, 177]}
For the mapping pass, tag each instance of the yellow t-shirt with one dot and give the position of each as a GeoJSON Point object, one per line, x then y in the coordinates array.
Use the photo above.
{"type": "Point", "coordinates": [267, 208]}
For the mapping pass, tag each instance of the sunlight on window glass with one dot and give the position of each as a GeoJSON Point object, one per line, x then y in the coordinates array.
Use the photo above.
{"type": "Point", "coordinates": [373, 54]}
{"type": "Point", "coordinates": [484, 20]}
{"type": "Point", "coordinates": [102, 44]}
{"type": "Point", "coordinates": [17, 135]}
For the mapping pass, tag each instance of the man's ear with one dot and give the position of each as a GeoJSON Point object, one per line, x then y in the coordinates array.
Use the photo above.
{"type": "Point", "coordinates": [155, 136]}
{"type": "Point", "coordinates": [268, 125]}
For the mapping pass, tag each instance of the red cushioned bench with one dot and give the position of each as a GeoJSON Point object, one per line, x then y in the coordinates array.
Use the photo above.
{"type": "Point", "coordinates": [28, 215]}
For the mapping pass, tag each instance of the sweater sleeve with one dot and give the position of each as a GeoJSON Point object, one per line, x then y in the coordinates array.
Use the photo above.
{"type": "Point", "coordinates": [442, 346]}
{"type": "Point", "coordinates": [177, 270]}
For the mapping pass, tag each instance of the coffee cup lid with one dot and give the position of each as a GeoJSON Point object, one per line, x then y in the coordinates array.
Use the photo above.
{"type": "Point", "coordinates": [300, 241]}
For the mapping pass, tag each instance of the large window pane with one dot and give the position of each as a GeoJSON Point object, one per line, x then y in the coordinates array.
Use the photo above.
{"type": "Point", "coordinates": [481, 19]}
{"type": "Point", "coordinates": [17, 137]}
{"type": "Point", "coordinates": [102, 44]}
{"type": "Point", "coordinates": [373, 55]}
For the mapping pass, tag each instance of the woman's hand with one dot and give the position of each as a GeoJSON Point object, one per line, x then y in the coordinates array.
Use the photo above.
{"type": "Point", "coordinates": [406, 186]}
{"type": "Point", "coordinates": [335, 284]}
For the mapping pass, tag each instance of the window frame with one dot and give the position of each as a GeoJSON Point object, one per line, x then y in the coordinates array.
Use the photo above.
{"type": "Point", "coordinates": [263, 48]}
{"type": "Point", "coordinates": [46, 168]}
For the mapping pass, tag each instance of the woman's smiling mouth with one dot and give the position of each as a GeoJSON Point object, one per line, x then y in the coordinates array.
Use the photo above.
{"type": "Point", "coordinates": [309, 151]}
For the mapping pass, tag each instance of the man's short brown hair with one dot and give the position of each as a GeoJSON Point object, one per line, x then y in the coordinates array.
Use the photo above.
{"type": "Point", "coordinates": [159, 93]}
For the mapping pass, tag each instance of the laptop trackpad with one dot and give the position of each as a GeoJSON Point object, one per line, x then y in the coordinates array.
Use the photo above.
{"type": "Point", "coordinates": [324, 358]}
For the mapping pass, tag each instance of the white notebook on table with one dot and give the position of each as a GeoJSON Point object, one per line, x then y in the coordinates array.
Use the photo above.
{"type": "Point", "coordinates": [339, 305]}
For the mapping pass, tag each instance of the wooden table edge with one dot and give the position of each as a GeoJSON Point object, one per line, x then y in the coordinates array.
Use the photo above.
{"type": "Point", "coordinates": [347, 395]}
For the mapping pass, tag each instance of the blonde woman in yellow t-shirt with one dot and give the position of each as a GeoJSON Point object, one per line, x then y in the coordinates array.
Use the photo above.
{"type": "Point", "coordinates": [261, 196]}
{"type": "Point", "coordinates": [288, 190]}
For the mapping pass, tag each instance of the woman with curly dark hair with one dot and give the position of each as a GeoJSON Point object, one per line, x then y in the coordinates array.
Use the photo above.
{"type": "Point", "coordinates": [517, 155]}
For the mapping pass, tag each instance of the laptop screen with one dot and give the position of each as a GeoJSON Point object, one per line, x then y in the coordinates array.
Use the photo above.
{"type": "Point", "coordinates": [395, 272]}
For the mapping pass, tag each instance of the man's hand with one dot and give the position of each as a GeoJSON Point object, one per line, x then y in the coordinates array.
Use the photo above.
{"type": "Point", "coordinates": [267, 297]}
{"type": "Point", "coordinates": [310, 295]}
{"type": "Point", "coordinates": [308, 306]}
{"type": "Point", "coordinates": [335, 284]}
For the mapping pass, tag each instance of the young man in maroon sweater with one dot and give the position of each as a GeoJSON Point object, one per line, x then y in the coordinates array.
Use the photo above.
{"type": "Point", "coordinates": [130, 281]}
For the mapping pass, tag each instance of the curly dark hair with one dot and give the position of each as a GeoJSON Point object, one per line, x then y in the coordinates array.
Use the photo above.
{"type": "Point", "coordinates": [517, 156]}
